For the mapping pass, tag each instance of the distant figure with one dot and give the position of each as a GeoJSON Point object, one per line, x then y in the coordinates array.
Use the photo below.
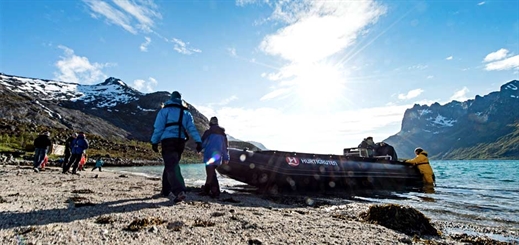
{"type": "Point", "coordinates": [42, 144]}
{"type": "Point", "coordinates": [215, 144]}
{"type": "Point", "coordinates": [368, 144]}
{"type": "Point", "coordinates": [99, 164]}
{"type": "Point", "coordinates": [82, 162]}
{"type": "Point", "coordinates": [384, 149]}
{"type": "Point", "coordinates": [68, 142]}
{"type": "Point", "coordinates": [44, 163]}
{"type": "Point", "coordinates": [78, 146]}
{"type": "Point", "coordinates": [422, 162]}
{"type": "Point", "coordinates": [171, 127]}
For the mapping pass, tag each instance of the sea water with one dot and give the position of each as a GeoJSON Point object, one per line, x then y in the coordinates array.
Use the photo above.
{"type": "Point", "coordinates": [484, 192]}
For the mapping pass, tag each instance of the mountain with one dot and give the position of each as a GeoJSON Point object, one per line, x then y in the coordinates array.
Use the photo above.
{"type": "Point", "coordinates": [486, 127]}
{"type": "Point", "coordinates": [111, 109]}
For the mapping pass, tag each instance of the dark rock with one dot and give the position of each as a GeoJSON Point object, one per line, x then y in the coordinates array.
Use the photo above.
{"type": "Point", "coordinates": [105, 220]}
{"type": "Point", "coordinates": [175, 226]}
{"type": "Point", "coordinates": [255, 242]}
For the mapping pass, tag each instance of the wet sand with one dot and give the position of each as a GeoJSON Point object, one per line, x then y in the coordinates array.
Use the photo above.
{"type": "Point", "coordinates": [99, 208]}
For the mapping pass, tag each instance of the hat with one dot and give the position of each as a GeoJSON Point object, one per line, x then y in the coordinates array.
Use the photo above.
{"type": "Point", "coordinates": [213, 121]}
{"type": "Point", "coordinates": [369, 138]}
{"type": "Point", "coordinates": [46, 133]}
{"type": "Point", "coordinates": [418, 150]}
{"type": "Point", "coordinates": [176, 95]}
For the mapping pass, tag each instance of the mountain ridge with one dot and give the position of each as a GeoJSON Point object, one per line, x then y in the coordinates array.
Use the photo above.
{"type": "Point", "coordinates": [110, 109]}
{"type": "Point", "coordinates": [463, 130]}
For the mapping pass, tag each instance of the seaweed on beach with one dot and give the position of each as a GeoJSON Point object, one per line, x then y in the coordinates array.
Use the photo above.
{"type": "Point", "coordinates": [83, 191]}
{"type": "Point", "coordinates": [476, 240]}
{"type": "Point", "coordinates": [138, 224]}
{"type": "Point", "coordinates": [105, 219]}
{"type": "Point", "coordinates": [298, 201]}
{"type": "Point", "coordinates": [79, 201]}
{"type": "Point", "coordinates": [400, 218]}
{"type": "Point", "coordinates": [76, 199]}
{"type": "Point", "coordinates": [2, 200]}
{"type": "Point", "coordinates": [203, 223]}
{"type": "Point", "coordinates": [199, 204]}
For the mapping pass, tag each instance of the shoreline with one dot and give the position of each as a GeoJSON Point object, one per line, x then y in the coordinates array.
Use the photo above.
{"type": "Point", "coordinates": [98, 207]}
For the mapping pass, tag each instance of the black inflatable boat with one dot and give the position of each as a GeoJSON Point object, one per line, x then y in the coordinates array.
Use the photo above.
{"type": "Point", "coordinates": [303, 171]}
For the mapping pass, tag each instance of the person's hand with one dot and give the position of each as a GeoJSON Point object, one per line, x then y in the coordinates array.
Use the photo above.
{"type": "Point", "coordinates": [198, 147]}
{"type": "Point", "coordinates": [155, 147]}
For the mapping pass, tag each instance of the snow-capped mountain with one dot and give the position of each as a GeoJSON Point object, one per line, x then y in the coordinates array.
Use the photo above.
{"type": "Point", "coordinates": [447, 129]}
{"type": "Point", "coordinates": [108, 109]}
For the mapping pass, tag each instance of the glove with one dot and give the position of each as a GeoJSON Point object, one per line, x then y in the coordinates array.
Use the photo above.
{"type": "Point", "coordinates": [155, 147]}
{"type": "Point", "coordinates": [198, 146]}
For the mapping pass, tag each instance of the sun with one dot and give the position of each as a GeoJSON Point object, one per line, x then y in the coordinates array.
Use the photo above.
{"type": "Point", "coordinates": [320, 82]}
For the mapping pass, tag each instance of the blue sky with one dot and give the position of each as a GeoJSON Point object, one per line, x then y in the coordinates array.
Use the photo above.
{"type": "Point", "coordinates": [314, 76]}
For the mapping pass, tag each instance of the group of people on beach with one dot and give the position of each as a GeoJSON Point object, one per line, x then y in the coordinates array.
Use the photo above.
{"type": "Point", "coordinates": [75, 153]}
{"type": "Point", "coordinates": [172, 128]}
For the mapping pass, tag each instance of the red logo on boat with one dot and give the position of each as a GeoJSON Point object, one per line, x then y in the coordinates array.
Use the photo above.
{"type": "Point", "coordinates": [292, 161]}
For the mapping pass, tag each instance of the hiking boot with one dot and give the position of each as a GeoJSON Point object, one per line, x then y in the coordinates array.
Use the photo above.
{"type": "Point", "coordinates": [180, 197]}
{"type": "Point", "coordinates": [36, 170]}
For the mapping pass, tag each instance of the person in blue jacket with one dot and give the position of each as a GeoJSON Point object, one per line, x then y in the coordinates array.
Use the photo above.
{"type": "Point", "coordinates": [215, 144]}
{"type": "Point", "coordinates": [77, 148]}
{"type": "Point", "coordinates": [172, 124]}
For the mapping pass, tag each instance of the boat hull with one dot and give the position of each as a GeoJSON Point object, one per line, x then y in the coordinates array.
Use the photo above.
{"type": "Point", "coordinates": [304, 172]}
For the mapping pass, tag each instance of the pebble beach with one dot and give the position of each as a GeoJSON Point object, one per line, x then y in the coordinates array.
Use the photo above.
{"type": "Point", "coordinates": [113, 208]}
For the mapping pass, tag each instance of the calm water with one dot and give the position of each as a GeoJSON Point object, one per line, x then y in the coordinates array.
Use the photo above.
{"type": "Point", "coordinates": [481, 192]}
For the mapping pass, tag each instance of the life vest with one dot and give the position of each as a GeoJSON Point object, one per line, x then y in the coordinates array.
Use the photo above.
{"type": "Point", "coordinates": [179, 122]}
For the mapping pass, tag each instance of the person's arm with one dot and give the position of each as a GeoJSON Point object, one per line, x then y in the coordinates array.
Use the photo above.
{"type": "Point", "coordinates": [416, 160]}
{"type": "Point", "coordinates": [158, 127]}
{"type": "Point", "coordinates": [226, 156]}
{"type": "Point", "coordinates": [189, 124]}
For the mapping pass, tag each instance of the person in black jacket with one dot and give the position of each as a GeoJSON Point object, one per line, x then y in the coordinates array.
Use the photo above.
{"type": "Point", "coordinates": [42, 144]}
{"type": "Point", "coordinates": [66, 159]}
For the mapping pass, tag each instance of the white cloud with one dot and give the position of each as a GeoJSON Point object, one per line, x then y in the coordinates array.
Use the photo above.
{"type": "Point", "coordinates": [145, 86]}
{"type": "Point", "coordinates": [311, 52]}
{"type": "Point", "coordinates": [112, 15]}
{"type": "Point", "coordinates": [449, 58]}
{"type": "Point", "coordinates": [460, 95]}
{"type": "Point", "coordinates": [430, 77]}
{"type": "Point", "coordinates": [481, 3]}
{"type": "Point", "coordinates": [418, 67]}
{"type": "Point", "coordinates": [500, 54]}
{"type": "Point", "coordinates": [411, 94]}
{"type": "Point", "coordinates": [78, 69]}
{"type": "Point", "coordinates": [182, 47]}
{"type": "Point", "coordinates": [232, 51]}
{"type": "Point", "coordinates": [245, 2]}
{"type": "Point", "coordinates": [305, 39]}
{"type": "Point", "coordinates": [144, 45]}
{"type": "Point", "coordinates": [130, 15]}
{"type": "Point", "coordinates": [341, 130]}
{"type": "Point", "coordinates": [506, 64]}
{"type": "Point", "coordinates": [227, 100]}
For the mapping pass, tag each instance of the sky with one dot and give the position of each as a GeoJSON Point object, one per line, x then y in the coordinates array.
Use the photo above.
{"type": "Point", "coordinates": [306, 76]}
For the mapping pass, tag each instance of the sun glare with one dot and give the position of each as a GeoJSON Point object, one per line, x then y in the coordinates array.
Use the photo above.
{"type": "Point", "coordinates": [320, 83]}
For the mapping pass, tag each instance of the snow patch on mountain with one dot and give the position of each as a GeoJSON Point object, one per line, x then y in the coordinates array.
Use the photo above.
{"type": "Point", "coordinates": [107, 94]}
{"type": "Point", "coordinates": [442, 121]}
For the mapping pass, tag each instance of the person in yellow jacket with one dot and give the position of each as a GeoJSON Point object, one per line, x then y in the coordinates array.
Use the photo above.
{"type": "Point", "coordinates": [422, 162]}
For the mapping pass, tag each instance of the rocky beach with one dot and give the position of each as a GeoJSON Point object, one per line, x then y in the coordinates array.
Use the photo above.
{"type": "Point", "coordinates": [114, 208]}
